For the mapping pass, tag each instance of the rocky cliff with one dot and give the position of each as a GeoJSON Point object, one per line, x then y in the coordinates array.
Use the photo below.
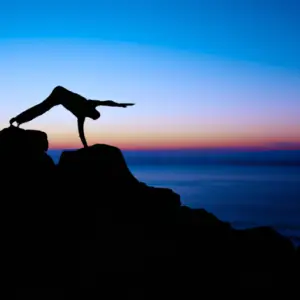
{"type": "Point", "coordinates": [88, 225]}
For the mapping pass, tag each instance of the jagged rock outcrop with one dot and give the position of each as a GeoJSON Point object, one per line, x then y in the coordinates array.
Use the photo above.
{"type": "Point", "coordinates": [100, 176]}
{"type": "Point", "coordinates": [145, 231]}
{"type": "Point", "coordinates": [97, 164]}
{"type": "Point", "coordinates": [104, 166]}
{"type": "Point", "coordinates": [89, 223]}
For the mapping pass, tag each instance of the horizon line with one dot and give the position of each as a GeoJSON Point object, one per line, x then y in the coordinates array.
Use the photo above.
{"type": "Point", "coordinates": [212, 148]}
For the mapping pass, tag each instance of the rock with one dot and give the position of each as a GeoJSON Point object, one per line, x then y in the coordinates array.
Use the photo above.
{"type": "Point", "coordinates": [177, 239]}
{"type": "Point", "coordinates": [91, 214]}
{"type": "Point", "coordinates": [101, 164]}
{"type": "Point", "coordinates": [18, 139]}
{"type": "Point", "coordinates": [40, 293]}
{"type": "Point", "coordinates": [270, 248]}
{"type": "Point", "coordinates": [202, 218]}
{"type": "Point", "coordinates": [99, 175]}
{"type": "Point", "coordinates": [104, 166]}
{"type": "Point", "coordinates": [30, 212]}
{"type": "Point", "coordinates": [265, 258]}
{"type": "Point", "coordinates": [23, 153]}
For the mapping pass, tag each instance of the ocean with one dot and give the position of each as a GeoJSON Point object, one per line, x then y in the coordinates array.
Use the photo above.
{"type": "Point", "coordinates": [246, 189]}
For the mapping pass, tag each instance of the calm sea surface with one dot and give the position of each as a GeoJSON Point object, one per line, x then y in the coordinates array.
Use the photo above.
{"type": "Point", "coordinates": [244, 194]}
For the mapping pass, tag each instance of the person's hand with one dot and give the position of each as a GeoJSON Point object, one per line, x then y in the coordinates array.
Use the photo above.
{"type": "Point", "coordinates": [126, 104]}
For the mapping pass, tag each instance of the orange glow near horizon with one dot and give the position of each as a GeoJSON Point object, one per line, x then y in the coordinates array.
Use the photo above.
{"type": "Point", "coordinates": [156, 142]}
{"type": "Point", "coordinates": [173, 133]}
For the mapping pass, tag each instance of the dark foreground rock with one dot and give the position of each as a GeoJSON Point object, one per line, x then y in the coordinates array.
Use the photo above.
{"type": "Point", "coordinates": [88, 226]}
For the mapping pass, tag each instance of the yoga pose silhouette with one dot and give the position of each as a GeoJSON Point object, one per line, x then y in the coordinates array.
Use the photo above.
{"type": "Point", "coordinates": [79, 106]}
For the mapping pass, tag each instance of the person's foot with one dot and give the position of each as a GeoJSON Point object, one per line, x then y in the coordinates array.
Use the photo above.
{"type": "Point", "coordinates": [13, 120]}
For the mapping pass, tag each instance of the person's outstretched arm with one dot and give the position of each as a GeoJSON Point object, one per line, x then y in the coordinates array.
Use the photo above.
{"type": "Point", "coordinates": [109, 103]}
{"type": "Point", "coordinates": [80, 124]}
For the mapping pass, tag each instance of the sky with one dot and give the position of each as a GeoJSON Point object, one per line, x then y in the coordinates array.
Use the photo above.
{"type": "Point", "coordinates": [203, 74]}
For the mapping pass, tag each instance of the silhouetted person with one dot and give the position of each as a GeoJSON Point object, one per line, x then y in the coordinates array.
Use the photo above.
{"type": "Point", "coordinates": [81, 107]}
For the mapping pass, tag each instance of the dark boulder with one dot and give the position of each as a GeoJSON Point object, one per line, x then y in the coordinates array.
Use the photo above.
{"type": "Point", "coordinates": [23, 152]}
{"type": "Point", "coordinates": [100, 171]}
{"type": "Point", "coordinates": [18, 139]}
{"type": "Point", "coordinates": [103, 190]}
{"type": "Point", "coordinates": [98, 164]}
{"type": "Point", "coordinates": [31, 215]}
{"type": "Point", "coordinates": [28, 174]}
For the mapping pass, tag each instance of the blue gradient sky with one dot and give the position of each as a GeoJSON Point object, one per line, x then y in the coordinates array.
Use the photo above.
{"type": "Point", "coordinates": [202, 73]}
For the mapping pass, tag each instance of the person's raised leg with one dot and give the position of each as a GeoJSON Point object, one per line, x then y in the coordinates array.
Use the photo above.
{"type": "Point", "coordinates": [55, 98]}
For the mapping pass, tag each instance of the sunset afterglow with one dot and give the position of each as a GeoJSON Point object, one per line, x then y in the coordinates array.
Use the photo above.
{"type": "Point", "coordinates": [211, 80]}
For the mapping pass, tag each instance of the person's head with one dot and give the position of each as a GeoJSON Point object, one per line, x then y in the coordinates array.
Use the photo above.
{"type": "Point", "coordinates": [93, 113]}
